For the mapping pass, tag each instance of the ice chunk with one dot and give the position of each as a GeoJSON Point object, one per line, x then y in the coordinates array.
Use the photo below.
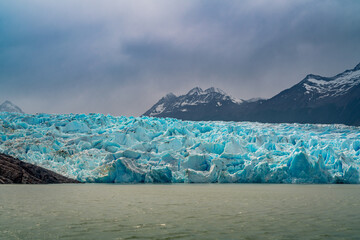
{"type": "Point", "coordinates": [196, 162]}
{"type": "Point", "coordinates": [299, 165]}
{"type": "Point", "coordinates": [75, 126]}
{"type": "Point", "coordinates": [159, 175]}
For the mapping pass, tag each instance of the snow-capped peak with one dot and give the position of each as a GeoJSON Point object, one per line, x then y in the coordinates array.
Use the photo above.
{"type": "Point", "coordinates": [334, 86]}
{"type": "Point", "coordinates": [170, 96]}
{"type": "Point", "coordinates": [8, 106]}
{"type": "Point", "coordinates": [215, 90]}
{"type": "Point", "coordinates": [195, 97]}
{"type": "Point", "coordinates": [212, 90]}
{"type": "Point", "coordinates": [195, 90]}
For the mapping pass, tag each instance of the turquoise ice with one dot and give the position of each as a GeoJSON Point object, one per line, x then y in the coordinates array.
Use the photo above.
{"type": "Point", "coordinates": [99, 148]}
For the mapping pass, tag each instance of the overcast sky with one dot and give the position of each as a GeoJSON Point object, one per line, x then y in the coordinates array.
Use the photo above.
{"type": "Point", "coordinates": [120, 57]}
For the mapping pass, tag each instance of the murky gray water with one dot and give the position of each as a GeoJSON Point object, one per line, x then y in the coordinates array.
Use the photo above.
{"type": "Point", "coordinates": [213, 211]}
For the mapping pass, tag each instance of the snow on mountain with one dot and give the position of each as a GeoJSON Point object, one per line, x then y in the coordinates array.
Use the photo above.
{"type": "Point", "coordinates": [8, 106]}
{"type": "Point", "coordinates": [331, 87]}
{"type": "Point", "coordinates": [315, 99]}
{"type": "Point", "coordinates": [251, 100]}
{"type": "Point", "coordinates": [315, 90]}
{"type": "Point", "coordinates": [195, 91]}
{"type": "Point", "coordinates": [195, 97]}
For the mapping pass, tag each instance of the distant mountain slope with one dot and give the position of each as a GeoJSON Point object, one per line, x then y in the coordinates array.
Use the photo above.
{"type": "Point", "coordinates": [8, 106]}
{"type": "Point", "coordinates": [315, 90]}
{"type": "Point", "coordinates": [315, 99]}
{"type": "Point", "coordinates": [197, 104]}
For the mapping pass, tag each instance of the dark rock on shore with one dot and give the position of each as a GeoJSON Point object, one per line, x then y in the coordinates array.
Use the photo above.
{"type": "Point", "coordinates": [13, 170]}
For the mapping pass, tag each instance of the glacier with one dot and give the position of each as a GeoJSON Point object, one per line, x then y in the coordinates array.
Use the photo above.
{"type": "Point", "coordinates": [109, 149]}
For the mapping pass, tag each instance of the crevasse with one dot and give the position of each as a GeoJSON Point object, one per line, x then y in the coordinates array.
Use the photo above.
{"type": "Point", "coordinates": [99, 148]}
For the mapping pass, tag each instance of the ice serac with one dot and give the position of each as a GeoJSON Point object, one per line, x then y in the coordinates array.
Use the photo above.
{"type": "Point", "coordinates": [98, 148]}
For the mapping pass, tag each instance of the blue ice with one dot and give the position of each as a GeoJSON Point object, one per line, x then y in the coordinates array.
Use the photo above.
{"type": "Point", "coordinates": [99, 148]}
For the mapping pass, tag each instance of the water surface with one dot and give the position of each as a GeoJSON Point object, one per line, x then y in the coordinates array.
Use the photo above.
{"type": "Point", "coordinates": [182, 211]}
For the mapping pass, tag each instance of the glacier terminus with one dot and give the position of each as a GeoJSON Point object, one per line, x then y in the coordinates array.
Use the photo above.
{"type": "Point", "coordinates": [100, 148]}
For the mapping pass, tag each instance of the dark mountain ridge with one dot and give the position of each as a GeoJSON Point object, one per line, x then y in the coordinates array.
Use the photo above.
{"type": "Point", "coordinates": [315, 99]}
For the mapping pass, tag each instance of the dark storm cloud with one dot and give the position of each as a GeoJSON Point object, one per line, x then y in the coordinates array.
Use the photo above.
{"type": "Point", "coordinates": [120, 57]}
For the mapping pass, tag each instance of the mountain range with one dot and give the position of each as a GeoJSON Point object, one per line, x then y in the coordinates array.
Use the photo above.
{"type": "Point", "coordinates": [315, 99]}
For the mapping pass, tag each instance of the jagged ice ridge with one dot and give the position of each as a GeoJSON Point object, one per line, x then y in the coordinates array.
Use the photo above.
{"type": "Point", "coordinates": [99, 148]}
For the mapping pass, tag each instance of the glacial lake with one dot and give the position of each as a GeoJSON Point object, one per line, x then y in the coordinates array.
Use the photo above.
{"type": "Point", "coordinates": [179, 211]}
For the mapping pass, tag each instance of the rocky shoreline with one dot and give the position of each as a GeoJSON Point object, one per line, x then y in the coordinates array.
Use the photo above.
{"type": "Point", "coordinates": [14, 171]}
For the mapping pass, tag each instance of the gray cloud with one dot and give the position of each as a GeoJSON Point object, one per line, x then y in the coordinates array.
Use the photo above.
{"type": "Point", "coordinates": [120, 57]}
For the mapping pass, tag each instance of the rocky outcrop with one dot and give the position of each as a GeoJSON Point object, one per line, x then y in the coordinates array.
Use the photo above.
{"type": "Point", "coordinates": [13, 170]}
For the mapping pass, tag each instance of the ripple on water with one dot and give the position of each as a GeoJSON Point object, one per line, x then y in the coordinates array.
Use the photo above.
{"type": "Point", "coordinates": [183, 211]}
